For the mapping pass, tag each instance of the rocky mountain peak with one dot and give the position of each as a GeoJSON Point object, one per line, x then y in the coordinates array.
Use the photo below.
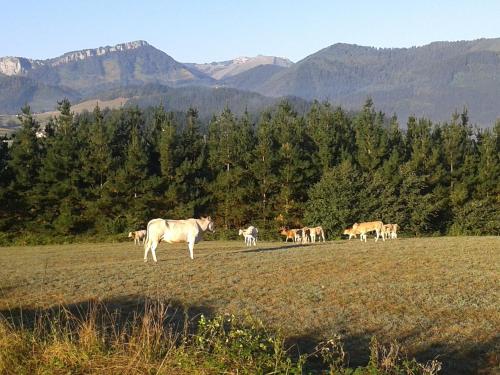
{"type": "Point", "coordinates": [86, 53]}
{"type": "Point", "coordinates": [20, 66]}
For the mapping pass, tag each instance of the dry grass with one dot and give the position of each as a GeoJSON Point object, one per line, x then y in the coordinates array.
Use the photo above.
{"type": "Point", "coordinates": [435, 296]}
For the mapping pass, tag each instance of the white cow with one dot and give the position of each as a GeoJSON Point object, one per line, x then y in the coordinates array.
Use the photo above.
{"type": "Point", "coordinates": [174, 231]}
{"type": "Point", "coordinates": [250, 235]}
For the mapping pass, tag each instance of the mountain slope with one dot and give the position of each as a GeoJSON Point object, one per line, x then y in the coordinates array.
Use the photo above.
{"type": "Point", "coordinates": [17, 91]}
{"type": "Point", "coordinates": [252, 79]}
{"type": "Point", "coordinates": [432, 80]}
{"type": "Point", "coordinates": [93, 70]}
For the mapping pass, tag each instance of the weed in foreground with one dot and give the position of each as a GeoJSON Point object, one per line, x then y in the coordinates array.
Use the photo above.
{"type": "Point", "coordinates": [148, 342]}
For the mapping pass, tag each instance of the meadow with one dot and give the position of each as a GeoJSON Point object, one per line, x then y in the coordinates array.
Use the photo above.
{"type": "Point", "coordinates": [437, 297]}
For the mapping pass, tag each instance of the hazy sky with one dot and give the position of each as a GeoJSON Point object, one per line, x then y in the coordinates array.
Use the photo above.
{"type": "Point", "coordinates": [215, 30]}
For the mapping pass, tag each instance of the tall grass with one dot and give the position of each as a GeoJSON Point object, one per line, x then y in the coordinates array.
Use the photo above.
{"type": "Point", "coordinates": [98, 341]}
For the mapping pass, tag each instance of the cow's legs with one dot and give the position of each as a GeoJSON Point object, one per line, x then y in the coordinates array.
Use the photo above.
{"type": "Point", "coordinates": [191, 247]}
{"type": "Point", "coordinates": [153, 250]}
{"type": "Point", "coordinates": [146, 251]}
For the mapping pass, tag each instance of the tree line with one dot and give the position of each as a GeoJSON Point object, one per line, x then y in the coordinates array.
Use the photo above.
{"type": "Point", "coordinates": [107, 172]}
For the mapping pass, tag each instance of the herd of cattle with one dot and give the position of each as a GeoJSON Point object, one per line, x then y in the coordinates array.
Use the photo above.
{"type": "Point", "coordinates": [191, 231]}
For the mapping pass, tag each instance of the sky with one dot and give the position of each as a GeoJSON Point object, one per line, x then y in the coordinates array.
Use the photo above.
{"type": "Point", "coordinates": [217, 30]}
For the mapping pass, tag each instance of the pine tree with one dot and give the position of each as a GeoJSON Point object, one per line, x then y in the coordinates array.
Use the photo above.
{"type": "Point", "coordinates": [371, 139]}
{"type": "Point", "coordinates": [264, 167]}
{"type": "Point", "coordinates": [191, 174]}
{"type": "Point", "coordinates": [97, 155]}
{"type": "Point", "coordinates": [423, 190]}
{"type": "Point", "coordinates": [230, 143]}
{"type": "Point", "coordinates": [60, 175]}
{"type": "Point", "coordinates": [294, 162]}
{"type": "Point", "coordinates": [334, 200]}
{"type": "Point", "coordinates": [169, 160]}
{"type": "Point", "coordinates": [6, 178]}
{"type": "Point", "coordinates": [26, 156]}
{"type": "Point", "coordinates": [26, 152]}
{"type": "Point", "coordinates": [331, 134]}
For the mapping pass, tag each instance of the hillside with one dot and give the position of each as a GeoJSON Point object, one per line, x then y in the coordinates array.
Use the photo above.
{"type": "Point", "coordinates": [94, 70]}
{"type": "Point", "coordinates": [432, 81]}
{"type": "Point", "coordinates": [15, 91]}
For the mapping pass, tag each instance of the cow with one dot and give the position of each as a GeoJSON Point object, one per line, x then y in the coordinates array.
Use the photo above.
{"type": "Point", "coordinates": [364, 228]}
{"type": "Point", "coordinates": [293, 234]}
{"type": "Point", "coordinates": [175, 231]}
{"type": "Point", "coordinates": [138, 235]}
{"type": "Point", "coordinates": [317, 232]}
{"type": "Point", "coordinates": [391, 231]}
{"type": "Point", "coordinates": [250, 235]}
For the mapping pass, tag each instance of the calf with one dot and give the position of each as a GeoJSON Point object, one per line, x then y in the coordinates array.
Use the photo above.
{"type": "Point", "coordinates": [250, 235]}
{"type": "Point", "coordinates": [138, 235]}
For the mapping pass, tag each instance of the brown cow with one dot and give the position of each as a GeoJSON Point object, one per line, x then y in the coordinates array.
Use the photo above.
{"type": "Point", "coordinates": [371, 226]}
{"type": "Point", "coordinates": [293, 234]}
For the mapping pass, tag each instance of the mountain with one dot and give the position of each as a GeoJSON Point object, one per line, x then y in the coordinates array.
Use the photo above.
{"type": "Point", "coordinates": [224, 69]}
{"type": "Point", "coordinates": [431, 81]}
{"type": "Point", "coordinates": [94, 70]}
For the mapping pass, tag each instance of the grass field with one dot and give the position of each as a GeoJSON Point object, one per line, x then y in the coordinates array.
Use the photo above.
{"type": "Point", "coordinates": [438, 297]}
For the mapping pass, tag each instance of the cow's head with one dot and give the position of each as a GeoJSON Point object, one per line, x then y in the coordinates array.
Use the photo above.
{"type": "Point", "coordinates": [210, 224]}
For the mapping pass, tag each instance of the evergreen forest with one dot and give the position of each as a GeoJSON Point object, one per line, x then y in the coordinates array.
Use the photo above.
{"type": "Point", "coordinates": [104, 173]}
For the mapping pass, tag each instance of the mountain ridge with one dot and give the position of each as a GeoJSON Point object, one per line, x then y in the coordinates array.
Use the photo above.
{"type": "Point", "coordinates": [432, 80]}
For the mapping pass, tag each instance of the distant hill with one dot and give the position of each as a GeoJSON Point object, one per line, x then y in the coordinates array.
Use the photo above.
{"type": "Point", "coordinates": [15, 91]}
{"type": "Point", "coordinates": [431, 81]}
{"type": "Point", "coordinates": [252, 79]}
{"type": "Point", "coordinates": [207, 100]}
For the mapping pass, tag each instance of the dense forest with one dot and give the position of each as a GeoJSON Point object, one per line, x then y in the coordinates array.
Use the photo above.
{"type": "Point", "coordinates": [102, 174]}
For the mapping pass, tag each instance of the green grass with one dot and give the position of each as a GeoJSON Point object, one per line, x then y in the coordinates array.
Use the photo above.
{"type": "Point", "coordinates": [434, 296]}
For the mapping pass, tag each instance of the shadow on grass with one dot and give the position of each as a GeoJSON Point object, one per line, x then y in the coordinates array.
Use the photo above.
{"type": "Point", "coordinates": [282, 247]}
{"type": "Point", "coordinates": [118, 313]}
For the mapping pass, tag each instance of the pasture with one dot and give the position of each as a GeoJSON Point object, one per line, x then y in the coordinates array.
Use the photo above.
{"type": "Point", "coordinates": [438, 297]}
